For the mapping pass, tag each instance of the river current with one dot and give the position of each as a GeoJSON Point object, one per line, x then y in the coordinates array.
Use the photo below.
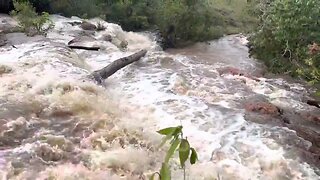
{"type": "Point", "coordinates": [56, 124]}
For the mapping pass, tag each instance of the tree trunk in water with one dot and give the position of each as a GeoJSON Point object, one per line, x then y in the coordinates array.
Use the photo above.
{"type": "Point", "coordinates": [107, 71]}
{"type": "Point", "coordinates": [313, 103]}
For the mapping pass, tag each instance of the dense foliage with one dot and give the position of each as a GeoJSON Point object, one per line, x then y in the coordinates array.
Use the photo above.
{"type": "Point", "coordinates": [288, 37]}
{"type": "Point", "coordinates": [179, 22]}
{"type": "Point", "coordinates": [188, 20]}
{"type": "Point", "coordinates": [82, 8]}
{"type": "Point", "coordinates": [131, 14]}
{"type": "Point", "coordinates": [29, 20]}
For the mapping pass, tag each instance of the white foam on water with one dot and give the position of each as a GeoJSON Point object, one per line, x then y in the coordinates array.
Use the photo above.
{"type": "Point", "coordinates": [214, 131]}
{"type": "Point", "coordinates": [223, 133]}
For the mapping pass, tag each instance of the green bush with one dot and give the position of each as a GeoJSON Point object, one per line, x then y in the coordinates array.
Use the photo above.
{"type": "Point", "coordinates": [81, 8]}
{"type": "Point", "coordinates": [31, 22]}
{"type": "Point", "coordinates": [184, 21]}
{"type": "Point", "coordinates": [180, 22]}
{"type": "Point", "coordinates": [131, 15]}
{"type": "Point", "coordinates": [287, 30]}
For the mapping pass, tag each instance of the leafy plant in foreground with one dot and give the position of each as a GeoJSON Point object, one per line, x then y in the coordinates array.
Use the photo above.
{"type": "Point", "coordinates": [177, 143]}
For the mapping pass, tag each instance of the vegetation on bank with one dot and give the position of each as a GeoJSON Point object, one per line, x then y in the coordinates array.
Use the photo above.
{"type": "Point", "coordinates": [29, 20]}
{"type": "Point", "coordinates": [179, 22]}
{"type": "Point", "coordinates": [288, 37]}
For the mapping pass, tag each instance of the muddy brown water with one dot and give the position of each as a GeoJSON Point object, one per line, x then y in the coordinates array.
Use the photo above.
{"type": "Point", "coordinates": [243, 124]}
{"type": "Point", "coordinates": [233, 53]}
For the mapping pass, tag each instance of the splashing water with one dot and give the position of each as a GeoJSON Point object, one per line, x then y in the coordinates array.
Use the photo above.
{"type": "Point", "coordinates": [60, 119]}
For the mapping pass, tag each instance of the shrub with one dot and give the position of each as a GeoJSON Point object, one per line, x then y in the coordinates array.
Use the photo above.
{"type": "Point", "coordinates": [180, 22]}
{"type": "Point", "coordinates": [30, 21]}
{"type": "Point", "coordinates": [130, 14]}
{"type": "Point", "coordinates": [81, 8]}
{"type": "Point", "coordinates": [183, 21]}
{"type": "Point", "coordinates": [289, 29]}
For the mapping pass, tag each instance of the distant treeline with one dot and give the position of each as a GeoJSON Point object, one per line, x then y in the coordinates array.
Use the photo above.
{"type": "Point", "coordinates": [180, 22]}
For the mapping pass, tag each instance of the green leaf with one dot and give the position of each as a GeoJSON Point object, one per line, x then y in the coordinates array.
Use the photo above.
{"type": "Point", "coordinates": [177, 131]}
{"type": "Point", "coordinates": [165, 139]}
{"type": "Point", "coordinates": [165, 173]}
{"type": "Point", "coordinates": [184, 151]}
{"type": "Point", "coordinates": [172, 149]}
{"type": "Point", "coordinates": [167, 131]}
{"type": "Point", "coordinates": [194, 156]}
{"type": "Point", "coordinates": [170, 130]}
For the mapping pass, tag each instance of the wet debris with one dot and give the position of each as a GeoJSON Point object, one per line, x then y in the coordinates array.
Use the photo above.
{"type": "Point", "coordinates": [107, 37]}
{"type": "Point", "coordinates": [5, 69]}
{"type": "Point", "coordinates": [237, 72]}
{"type": "Point", "coordinates": [3, 39]}
{"type": "Point", "coordinates": [48, 153]}
{"type": "Point", "coordinates": [263, 108]}
{"type": "Point", "coordinates": [13, 131]}
{"type": "Point", "coordinates": [82, 38]}
{"type": "Point", "coordinates": [313, 103]}
{"type": "Point", "coordinates": [85, 25]}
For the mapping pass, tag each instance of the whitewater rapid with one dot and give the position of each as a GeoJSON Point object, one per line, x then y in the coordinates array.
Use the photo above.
{"type": "Point", "coordinates": [177, 87]}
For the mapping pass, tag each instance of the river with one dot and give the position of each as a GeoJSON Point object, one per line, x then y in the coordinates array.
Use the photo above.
{"type": "Point", "coordinates": [56, 124]}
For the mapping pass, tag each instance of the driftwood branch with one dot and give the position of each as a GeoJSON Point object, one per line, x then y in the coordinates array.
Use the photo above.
{"type": "Point", "coordinates": [107, 71]}
{"type": "Point", "coordinates": [84, 47]}
{"type": "Point", "coordinates": [313, 103]}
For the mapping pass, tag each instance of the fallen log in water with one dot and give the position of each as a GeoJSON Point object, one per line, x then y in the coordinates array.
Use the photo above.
{"type": "Point", "coordinates": [313, 103]}
{"type": "Point", "coordinates": [84, 47]}
{"type": "Point", "coordinates": [107, 71]}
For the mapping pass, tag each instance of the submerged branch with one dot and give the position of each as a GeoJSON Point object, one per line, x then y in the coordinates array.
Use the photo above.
{"type": "Point", "coordinates": [84, 47]}
{"type": "Point", "coordinates": [116, 65]}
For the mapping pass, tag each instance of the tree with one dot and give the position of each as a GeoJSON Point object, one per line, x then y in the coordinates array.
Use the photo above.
{"type": "Point", "coordinates": [287, 31]}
